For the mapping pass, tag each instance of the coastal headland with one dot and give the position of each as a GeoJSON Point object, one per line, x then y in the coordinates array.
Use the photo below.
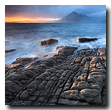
{"type": "Point", "coordinates": [62, 79]}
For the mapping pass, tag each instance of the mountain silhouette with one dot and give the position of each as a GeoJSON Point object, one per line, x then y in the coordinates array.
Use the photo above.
{"type": "Point", "coordinates": [75, 17]}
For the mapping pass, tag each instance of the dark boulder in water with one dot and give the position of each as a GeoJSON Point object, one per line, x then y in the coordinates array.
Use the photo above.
{"type": "Point", "coordinates": [86, 39]}
{"type": "Point", "coordinates": [6, 51]}
{"type": "Point", "coordinates": [48, 42]}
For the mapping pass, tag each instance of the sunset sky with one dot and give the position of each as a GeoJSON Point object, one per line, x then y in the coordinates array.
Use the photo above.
{"type": "Point", "coordinates": [48, 13]}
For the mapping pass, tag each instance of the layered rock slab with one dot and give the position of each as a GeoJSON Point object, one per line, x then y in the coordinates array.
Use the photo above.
{"type": "Point", "coordinates": [53, 82]}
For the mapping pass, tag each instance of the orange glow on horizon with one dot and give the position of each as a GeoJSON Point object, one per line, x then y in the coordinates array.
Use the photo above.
{"type": "Point", "coordinates": [29, 20]}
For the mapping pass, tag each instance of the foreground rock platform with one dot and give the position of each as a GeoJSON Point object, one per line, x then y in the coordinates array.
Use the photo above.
{"type": "Point", "coordinates": [59, 80]}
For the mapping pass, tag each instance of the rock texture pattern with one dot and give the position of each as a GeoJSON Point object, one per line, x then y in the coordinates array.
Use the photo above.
{"type": "Point", "coordinates": [59, 80]}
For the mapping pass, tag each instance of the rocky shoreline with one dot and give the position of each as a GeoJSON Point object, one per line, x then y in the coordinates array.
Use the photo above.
{"type": "Point", "coordinates": [60, 80]}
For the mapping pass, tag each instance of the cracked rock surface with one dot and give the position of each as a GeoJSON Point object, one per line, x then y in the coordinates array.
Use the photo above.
{"type": "Point", "coordinates": [60, 80]}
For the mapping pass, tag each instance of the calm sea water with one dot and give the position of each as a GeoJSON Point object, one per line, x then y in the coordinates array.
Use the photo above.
{"type": "Point", "coordinates": [24, 37]}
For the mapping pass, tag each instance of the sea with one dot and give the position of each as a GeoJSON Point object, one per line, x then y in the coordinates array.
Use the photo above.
{"type": "Point", "coordinates": [25, 37]}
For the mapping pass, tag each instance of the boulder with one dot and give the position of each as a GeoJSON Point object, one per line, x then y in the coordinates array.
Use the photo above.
{"type": "Point", "coordinates": [86, 39]}
{"type": "Point", "coordinates": [11, 50]}
{"type": "Point", "coordinates": [48, 42]}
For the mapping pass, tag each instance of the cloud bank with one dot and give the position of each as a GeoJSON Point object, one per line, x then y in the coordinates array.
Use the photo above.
{"type": "Point", "coordinates": [53, 11]}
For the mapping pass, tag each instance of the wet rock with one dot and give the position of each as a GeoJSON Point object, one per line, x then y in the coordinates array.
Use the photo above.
{"type": "Point", "coordinates": [59, 47]}
{"type": "Point", "coordinates": [11, 50]}
{"type": "Point", "coordinates": [24, 95]}
{"type": "Point", "coordinates": [86, 52]}
{"type": "Point", "coordinates": [59, 80]}
{"type": "Point", "coordinates": [94, 60]}
{"type": "Point", "coordinates": [98, 79]}
{"type": "Point", "coordinates": [17, 77]}
{"type": "Point", "coordinates": [42, 85]}
{"type": "Point", "coordinates": [12, 66]}
{"type": "Point", "coordinates": [82, 40]}
{"type": "Point", "coordinates": [102, 51]}
{"type": "Point", "coordinates": [98, 70]}
{"type": "Point", "coordinates": [91, 95]}
{"type": "Point", "coordinates": [99, 66]}
{"type": "Point", "coordinates": [78, 59]}
{"type": "Point", "coordinates": [84, 60]}
{"type": "Point", "coordinates": [80, 85]}
{"type": "Point", "coordinates": [11, 87]}
{"type": "Point", "coordinates": [67, 50]}
{"type": "Point", "coordinates": [34, 84]}
{"type": "Point", "coordinates": [82, 77]}
{"type": "Point", "coordinates": [70, 94]}
{"type": "Point", "coordinates": [23, 61]}
{"type": "Point", "coordinates": [69, 102]}
{"type": "Point", "coordinates": [48, 42]}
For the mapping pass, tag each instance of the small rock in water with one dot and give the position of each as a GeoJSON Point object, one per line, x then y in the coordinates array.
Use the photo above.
{"type": "Point", "coordinates": [6, 51]}
{"type": "Point", "coordinates": [48, 42]}
{"type": "Point", "coordinates": [86, 39]}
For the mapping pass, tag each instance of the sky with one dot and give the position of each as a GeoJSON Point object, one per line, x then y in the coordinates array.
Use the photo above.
{"type": "Point", "coordinates": [49, 13]}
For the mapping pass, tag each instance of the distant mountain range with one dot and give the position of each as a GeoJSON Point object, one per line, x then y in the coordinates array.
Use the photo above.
{"type": "Point", "coordinates": [79, 18]}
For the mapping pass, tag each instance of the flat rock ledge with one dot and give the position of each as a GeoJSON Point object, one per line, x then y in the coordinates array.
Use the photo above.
{"type": "Point", "coordinates": [19, 63]}
{"type": "Point", "coordinates": [59, 80]}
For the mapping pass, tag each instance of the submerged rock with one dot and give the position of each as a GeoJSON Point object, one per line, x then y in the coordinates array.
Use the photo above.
{"type": "Point", "coordinates": [48, 42]}
{"type": "Point", "coordinates": [86, 39]}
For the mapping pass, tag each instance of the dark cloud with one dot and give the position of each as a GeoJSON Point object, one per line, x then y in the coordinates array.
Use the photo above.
{"type": "Point", "coordinates": [54, 11]}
